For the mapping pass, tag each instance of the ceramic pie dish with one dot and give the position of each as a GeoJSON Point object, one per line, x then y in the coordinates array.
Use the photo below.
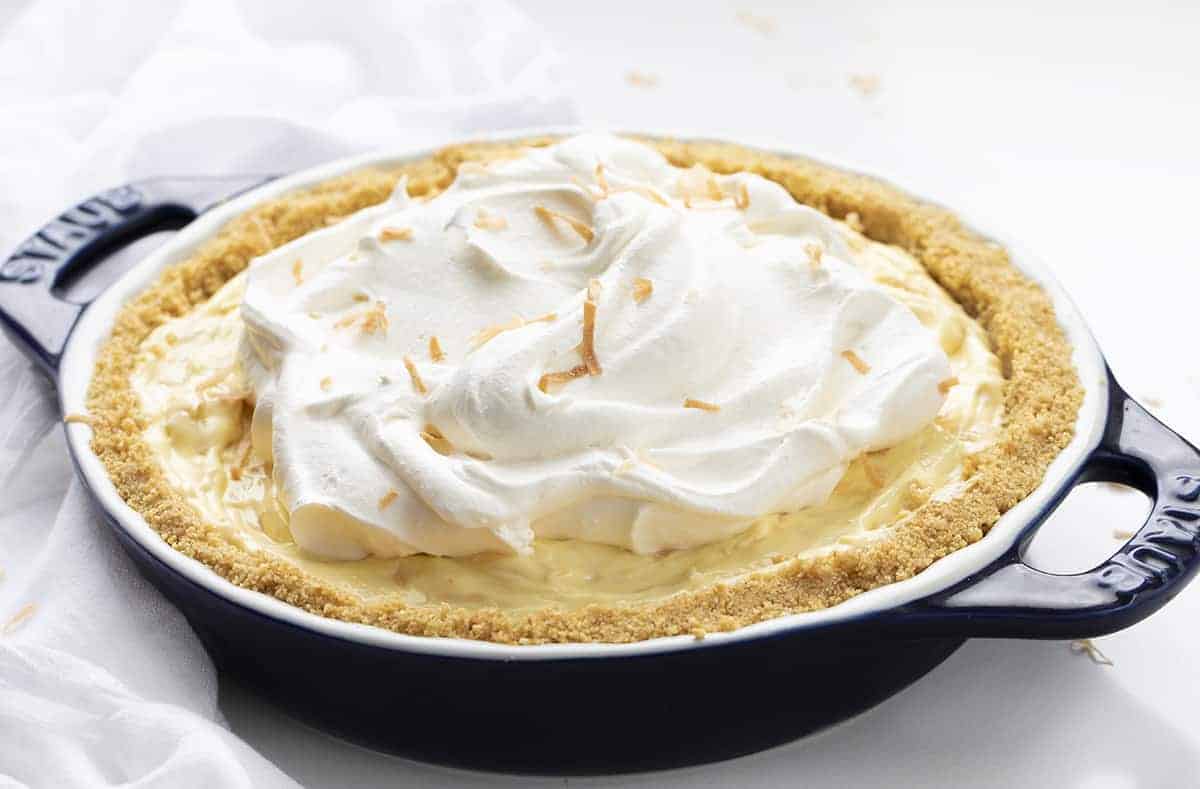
{"type": "Point", "coordinates": [597, 707]}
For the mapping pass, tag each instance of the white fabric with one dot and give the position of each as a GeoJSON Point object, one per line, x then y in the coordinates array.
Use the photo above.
{"type": "Point", "coordinates": [104, 683]}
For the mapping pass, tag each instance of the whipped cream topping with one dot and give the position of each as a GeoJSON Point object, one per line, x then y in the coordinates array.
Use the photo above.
{"type": "Point", "coordinates": [581, 343]}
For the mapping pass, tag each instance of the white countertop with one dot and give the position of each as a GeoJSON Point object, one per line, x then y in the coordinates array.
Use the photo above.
{"type": "Point", "coordinates": [1072, 128]}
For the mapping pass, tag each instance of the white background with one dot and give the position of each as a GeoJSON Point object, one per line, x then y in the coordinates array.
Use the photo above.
{"type": "Point", "coordinates": [1072, 128]}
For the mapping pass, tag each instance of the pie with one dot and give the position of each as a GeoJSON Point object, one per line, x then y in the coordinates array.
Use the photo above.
{"type": "Point", "coordinates": [583, 389]}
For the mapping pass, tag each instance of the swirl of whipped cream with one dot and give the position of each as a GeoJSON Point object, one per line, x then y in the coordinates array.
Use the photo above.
{"type": "Point", "coordinates": [584, 343]}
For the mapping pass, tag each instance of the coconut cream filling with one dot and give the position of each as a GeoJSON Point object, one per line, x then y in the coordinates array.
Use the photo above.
{"type": "Point", "coordinates": [416, 375]}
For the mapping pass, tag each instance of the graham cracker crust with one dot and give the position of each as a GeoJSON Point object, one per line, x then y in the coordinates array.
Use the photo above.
{"type": "Point", "coordinates": [1042, 396]}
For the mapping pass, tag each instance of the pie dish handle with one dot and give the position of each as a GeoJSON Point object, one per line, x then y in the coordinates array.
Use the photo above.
{"type": "Point", "coordinates": [1010, 599]}
{"type": "Point", "coordinates": [35, 310]}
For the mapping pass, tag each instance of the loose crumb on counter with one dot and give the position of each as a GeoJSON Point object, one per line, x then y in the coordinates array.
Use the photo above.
{"type": "Point", "coordinates": [759, 23]}
{"type": "Point", "coordinates": [18, 619]}
{"type": "Point", "coordinates": [642, 79]}
{"type": "Point", "coordinates": [1085, 646]}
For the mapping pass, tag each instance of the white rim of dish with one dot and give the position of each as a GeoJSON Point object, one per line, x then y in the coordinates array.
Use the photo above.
{"type": "Point", "coordinates": [94, 325]}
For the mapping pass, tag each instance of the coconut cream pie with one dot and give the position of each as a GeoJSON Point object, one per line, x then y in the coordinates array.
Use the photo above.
{"type": "Point", "coordinates": [586, 389]}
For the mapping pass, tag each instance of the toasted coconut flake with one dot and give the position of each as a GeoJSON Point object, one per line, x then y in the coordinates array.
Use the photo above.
{"type": "Point", "coordinates": [945, 386]}
{"type": "Point", "coordinates": [700, 404]}
{"type": "Point", "coordinates": [478, 455]}
{"type": "Point", "coordinates": [814, 252]}
{"type": "Point", "coordinates": [1122, 534]}
{"type": "Point", "coordinates": [298, 272]}
{"type": "Point", "coordinates": [388, 498]}
{"type": "Point", "coordinates": [434, 438]}
{"type": "Point", "coordinates": [435, 349]}
{"type": "Point", "coordinates": [376, 319]}
{"type": "Point", "coordinates": [854, 222]}
{"type": "Point", "coordinates": [396, 234]}
{"type": "Point", "coordinates": [333, 219]}
{"type": "Point", "coordinates": [170, 338]}
{"type": "Point", "coordinates": [1085, 646]}
{"type": "Point", "coordinates": [360, 297]}
{"type": "Point", "coordinates": [742, 198]}
{"type": "Point", "coordinates": [484, 336]}
{"type": "Point", "coordinates": [417, 383]}
{"type": "Point", "coordinates": [326, 382]}
{"type": "Point", "coordinates": [548, 215]}
{"type": "Point", "coordinates": [601, 180]}
{"type": "Point", "coordinates": [18, 619]}
{"type": "Point", "coordinates": [856, 362]}
{"type": "Point", "coordinates": [642, 289]}
{"type": "Point", "coordinates": [587, 349]}
{"type": "Point", "coordinates": [484, 220]}
{"type": "Point", "coordinates": [565, 376]}
{"type": "Point", "coordinates": [593, 289]}
{"type": "Point", "coordinates": [77, 419]}
{"type": "Point", "coordinates": [648, 192]}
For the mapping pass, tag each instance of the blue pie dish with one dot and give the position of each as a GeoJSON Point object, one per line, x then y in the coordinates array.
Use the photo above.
{"type": "Point", "coordinates": [602, 708]}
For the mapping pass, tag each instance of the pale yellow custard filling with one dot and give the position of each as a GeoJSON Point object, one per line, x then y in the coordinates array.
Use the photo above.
{"type": "Point", "coordinates": [197, 407]}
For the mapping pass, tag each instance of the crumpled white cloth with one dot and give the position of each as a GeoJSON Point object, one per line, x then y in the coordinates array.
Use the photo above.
{"type": "Point", "coordinates": [102, 682]}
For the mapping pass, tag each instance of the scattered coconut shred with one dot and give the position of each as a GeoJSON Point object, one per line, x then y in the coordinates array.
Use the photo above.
{"type": "Point", "coordinates": [548, 215]}
{"type": "Point", "coordinates": [417, 383]}
{"type": "Point", "coordinates": [587, 348]}
{"type": "Point", "coordinates": [388, 498]}
{"type": "Point", "coordinates": [1085, 646]}
{"type": "Point", "coordinates": [1042, 396]}
{"type": "Point", "coordinates": [434, 438]}
{"type": "Point", "coordinates": [396, 234]}
{"type": "Point", "coordinates": [372, 321]}
{"type": "Point", "coordinates": [484, 336]}
{"type": "Point", "coordinates": [18, 619]}
{"type": "Point", "coordinates": [436, 353]}
{"type": "Point", "coordinates": [856, 362]}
